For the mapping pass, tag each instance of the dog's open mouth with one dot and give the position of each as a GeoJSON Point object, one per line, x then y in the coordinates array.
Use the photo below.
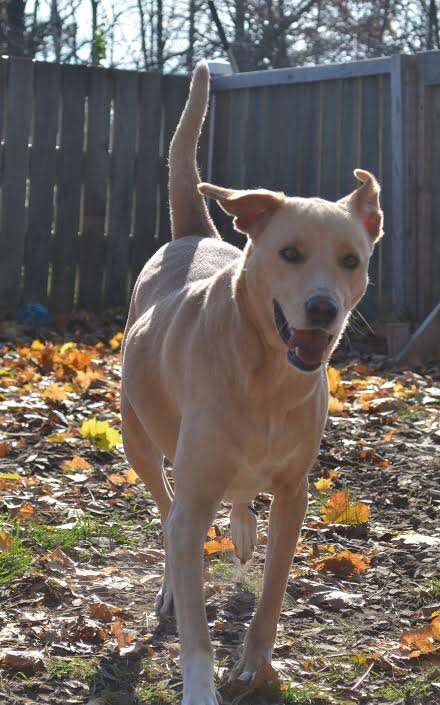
{"type": "Point", "coordinates": [306, 346]}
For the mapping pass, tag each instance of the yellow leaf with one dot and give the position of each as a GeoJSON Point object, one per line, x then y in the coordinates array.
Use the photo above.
{"type": "Point", "coordinates": [115, 342]}
{"type": "Point", "coordinates": [132, 477]}
{"type": "Point", "coordinates": [333, 474]}
{"type": "Point", "coordinates": [323, 484]}
{"type": "Point", "coordinates": [57, 437]}
{"type": "Point", "coordinates": [338, 510]}
{"type": "Point", "coordinates": [335, 406]}
{"type": "Point", "coordinates": [75, 464]}
{"type": "Point", "coordinates": [101, 434]}
{"type": "Point", "coordinates": [37, 345]}
{"type": "Point", "coordinates": [54, 393]}
{"type": "Point", "coordinates": [333, 377]}
{"type": "Point", "coordinates": [8, 480]}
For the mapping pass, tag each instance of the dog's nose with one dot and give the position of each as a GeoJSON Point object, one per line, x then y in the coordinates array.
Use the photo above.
{"type": "Point", "coordinates": [321, 310]}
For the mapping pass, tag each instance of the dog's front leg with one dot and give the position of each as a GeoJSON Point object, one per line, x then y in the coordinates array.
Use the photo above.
{"type": "Point", "coordinates": [286, 517]}
{"type": "Point", "coordinates": [200, 481]}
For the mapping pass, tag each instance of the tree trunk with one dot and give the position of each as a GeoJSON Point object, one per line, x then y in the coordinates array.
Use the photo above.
{"type": "Point", "coordinates": [16, 27]}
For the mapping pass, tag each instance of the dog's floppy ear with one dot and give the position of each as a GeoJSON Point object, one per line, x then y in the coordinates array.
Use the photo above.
{"type": "Point", "coordinates": [249, 208]}
{"type": "Point", "coordinates": [365, 204]}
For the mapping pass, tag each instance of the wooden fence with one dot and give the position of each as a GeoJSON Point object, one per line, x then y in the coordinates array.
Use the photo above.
{"type": "Point", "coordinates": [83, 168]}
{"type": "Point", "coordinates": [304, 130]}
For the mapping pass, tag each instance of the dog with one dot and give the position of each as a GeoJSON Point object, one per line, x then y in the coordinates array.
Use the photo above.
{"type": "Point", "coordinates": [224, 373]}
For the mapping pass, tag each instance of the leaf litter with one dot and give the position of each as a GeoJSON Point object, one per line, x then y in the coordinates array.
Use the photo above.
{"type": "Point", "coordinates": [81, 554]}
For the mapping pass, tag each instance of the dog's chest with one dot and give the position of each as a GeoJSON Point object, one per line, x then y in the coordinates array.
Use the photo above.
{"type": "Point", "coordinates": [272, 447]}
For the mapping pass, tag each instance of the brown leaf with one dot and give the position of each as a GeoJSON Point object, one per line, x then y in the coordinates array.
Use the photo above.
{"type": "Point", "coordinates": [6, 540]}
{"type": "Point", "coordinates": [123, 638]}
{"type": "Point", "coordinates": [26, 513]}
{"type": "Point", "coordinates": [55, 393]}
{"type": "Point", "coordinates": [5, 448]}
{"type": "Point", "coordinates": [29, 661]}
{"type": "Point", "coordinates": [103, 611]}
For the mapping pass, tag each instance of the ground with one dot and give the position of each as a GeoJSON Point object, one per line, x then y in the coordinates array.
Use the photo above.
{"type": "Point", "coordinates": [81, 554]}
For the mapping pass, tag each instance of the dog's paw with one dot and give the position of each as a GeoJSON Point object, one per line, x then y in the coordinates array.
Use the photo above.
{"type": "Point", "coordinates": [253, 668]}
{"type": "Point", "coordinates": [243, 531]}
{"type": "Point", "coordinates": [164, 605]}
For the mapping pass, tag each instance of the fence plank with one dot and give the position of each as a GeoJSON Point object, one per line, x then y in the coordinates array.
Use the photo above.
{"type": "Point", "coordinates": [220, 158]}
{"type": "Point", "coordinates": [433, 294]}
{"type": "Point", "coordinates": [174, 97]}
{"type": "Point", "coordinates": [121, 190]}
{"type": "Point", "coordinates": [331, 147]}
{"type": "Point", "coordinates": [42, 181]}
{"type": "Point", "coordinates": [16, 156]}
{"type": "Point", "coordinates": [312, 140]}
{"type": "Point", "coordinates": [290, 146]}
{"type": "Point", "coordinates": [350, 157]}
{"type": "Point", "coordinates": [144, 242]}
{"type": "Point", "coordinates": [96, 168]}
{"type": "Point", "coordinates": [70, 166]}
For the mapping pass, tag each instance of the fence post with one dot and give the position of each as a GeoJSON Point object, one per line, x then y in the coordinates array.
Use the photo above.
{"type": "Point", "coordinates": [403, 84]}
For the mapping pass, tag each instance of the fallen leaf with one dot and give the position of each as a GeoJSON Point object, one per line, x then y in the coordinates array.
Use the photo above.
{"type": "Point", "coordinates": [29, 661]}
{"type": "Point", "coordinates": [101, 434]}
{"type": "Point", "coordinates": [6, 540]}
{"type": "Point", "coordinates": [218, 546]}
{"type": "Point", "coordinates": [334, 378]}
{"type": "Point", "coordinates": [132, 477]}
{"type": "Point", "coordinates": [54, 393]}
{"type": "Point", "coordinates": [75, 464]}
{"type": "Point", "coordinates": [422, 641]}
{"type": "Point", "coordinates": [26, 513]}
{"type": "Point", "coordinates": [5, 448]}
{"type": "Point", "coordinates": [323, 484]}
{"type": "Point", "coordinates": [335, 406]}
{"type": "Point", "coordinates": [123, 637]}
{"type": "Point", "coordinates": [115, 342]}
{"type": "Point", "coordinates": [338, 510]}
{"type": "Point", "coordinates": [344, 564]}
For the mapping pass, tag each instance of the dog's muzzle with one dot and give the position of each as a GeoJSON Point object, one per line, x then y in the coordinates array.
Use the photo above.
{"type": "Point", "coordinates": [306, 347]}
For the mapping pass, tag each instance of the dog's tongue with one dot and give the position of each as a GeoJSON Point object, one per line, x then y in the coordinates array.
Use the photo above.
{"type": "Point", "coordinates": [309, 345]}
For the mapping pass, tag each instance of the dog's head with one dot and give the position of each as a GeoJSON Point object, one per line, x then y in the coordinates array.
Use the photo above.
{"type": "Point", "coordinates": [306, 262]}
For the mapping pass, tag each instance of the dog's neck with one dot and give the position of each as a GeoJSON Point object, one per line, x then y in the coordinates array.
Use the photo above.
{"type": "Point", "coordinates": [270, 375]}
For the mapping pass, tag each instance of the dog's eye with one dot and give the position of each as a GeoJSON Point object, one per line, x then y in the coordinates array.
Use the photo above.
{"type": "Point", "coordinates": [350, 261]}
{"type": "Point", "coordinates": [291, 254]}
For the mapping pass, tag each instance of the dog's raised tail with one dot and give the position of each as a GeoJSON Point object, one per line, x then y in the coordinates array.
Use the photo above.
{"type": "Point", "coordinates": [188, 211]}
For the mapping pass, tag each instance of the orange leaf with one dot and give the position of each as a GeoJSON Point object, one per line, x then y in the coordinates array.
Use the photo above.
{"type": "Point", "coordinates": [122, 637]}
{"type": "Point", "coordinates": [422, 641]}
{"type": "Point", "coordinates": [26, 513]}
{"type": "Point", "coordinates": [75, 464]}
{"type": "Point", "coordinates": [344, 564]}
{"type": "Point", "coordinates": [132, 477]}
{"type": "Point", "coordinates": [219, 546]}
{"type": "Point", "coordinates": [6, 540]}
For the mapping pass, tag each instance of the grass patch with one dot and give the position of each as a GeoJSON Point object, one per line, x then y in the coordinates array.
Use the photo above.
{"type": "Point", "coordinates": [78, 668]}
{"type": "Point", "coordinates": [410, 692]}
{"type": "Point", "coordinates": [150, 694]}
{"type": "Point", "coordinates": [15, 561]}
{"type": "Point", "coordinates": [85, 530]}
{"type": "Point", "coordinates": [221, 568]}
{"type": "Point", "coordinates": [295, 695]}
{"type": "Point", "coordinates": [434, 589]}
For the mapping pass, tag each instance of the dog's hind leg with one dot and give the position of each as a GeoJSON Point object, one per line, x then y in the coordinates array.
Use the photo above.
{"type": "Point", "coordinates": [243, 530]}
{"type": "Point", "coordinates": [147, 461]}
